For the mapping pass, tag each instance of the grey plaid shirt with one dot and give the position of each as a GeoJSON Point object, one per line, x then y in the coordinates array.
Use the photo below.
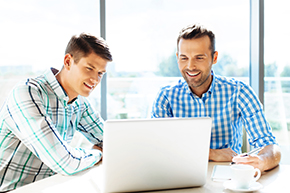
{"type": "Point", "coordinates": [36, 127]}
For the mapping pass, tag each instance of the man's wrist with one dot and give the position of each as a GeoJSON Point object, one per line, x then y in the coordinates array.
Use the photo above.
{"type": "Point", "coordinates": [211, 154]}
{"type": "Point", "coordinates": [97, 147]}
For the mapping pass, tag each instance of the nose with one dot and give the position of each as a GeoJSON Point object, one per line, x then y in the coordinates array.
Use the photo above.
{"type": "Point", "coordinates": [191, 65]}
{"type": "Point", "coordinates": [95, 81]}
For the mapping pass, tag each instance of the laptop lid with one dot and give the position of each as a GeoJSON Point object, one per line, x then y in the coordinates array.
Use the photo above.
{"type": "Point", "coordinates": [154, 154]}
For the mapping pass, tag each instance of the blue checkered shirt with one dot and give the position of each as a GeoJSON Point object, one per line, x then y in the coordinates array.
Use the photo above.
{"type": "Point", "coordinates": [230, 103]}
{"type": "Point", "coordinates": [36, 127]}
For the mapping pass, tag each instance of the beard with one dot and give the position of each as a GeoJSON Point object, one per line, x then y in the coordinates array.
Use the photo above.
{"type": "Point", "coordinates": [195, 83]}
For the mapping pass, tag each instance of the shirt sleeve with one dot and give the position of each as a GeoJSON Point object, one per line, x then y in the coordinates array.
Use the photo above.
{"type": "Point", "coordinates": [91, 125]}
{"type": "Point", "coordinates": [255, 123]}
{"type": "Point", "coordinates": [36, 130]}
{"type": "Point", "coordinates": [161, 106]}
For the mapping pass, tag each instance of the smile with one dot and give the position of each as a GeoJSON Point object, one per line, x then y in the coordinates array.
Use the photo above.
{"type": "Point", "coordinates": [89, 86]}
{"type": "Point", "coordinates": [192, 74]}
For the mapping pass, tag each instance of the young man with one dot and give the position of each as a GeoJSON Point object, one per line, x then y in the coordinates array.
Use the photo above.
{"type": "Point", "coordinates": [230, 103]}
{"type": "Point", "coordinates": [41, 116]}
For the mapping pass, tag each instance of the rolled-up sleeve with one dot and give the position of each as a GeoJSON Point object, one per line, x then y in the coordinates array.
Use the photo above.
{"type": "Point", "coordinates": [255, 123]}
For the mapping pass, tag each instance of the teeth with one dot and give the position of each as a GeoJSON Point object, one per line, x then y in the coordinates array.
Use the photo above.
{"type": "Point", "coordinates": [192, 74]}
{"type": "Point", "coordinates": [89, 85]}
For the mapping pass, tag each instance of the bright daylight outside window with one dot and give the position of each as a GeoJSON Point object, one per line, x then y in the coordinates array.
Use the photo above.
{"type": "Point", "coordinates": [34, 35]}
{"type": "Point", "coordinates": [142, 35]}
{"type": "Point", "coordinates": [277, 71]}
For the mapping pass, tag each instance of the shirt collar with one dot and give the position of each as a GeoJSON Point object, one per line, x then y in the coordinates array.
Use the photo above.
{"type": "Point", "coordinates": [211, 88]}
{"type": "Point", "coordinates": [55, 86]}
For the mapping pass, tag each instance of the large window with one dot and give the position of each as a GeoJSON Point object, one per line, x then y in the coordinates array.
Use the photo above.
{"type": "Point", "coordinates": [34, 35]}
{"type": "Point", "coordinates": [142, 35]}
{"type": "Point", "coordinates": [277, 71]}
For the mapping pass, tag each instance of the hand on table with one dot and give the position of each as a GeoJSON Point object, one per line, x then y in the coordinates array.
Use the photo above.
{"type": "Point", "coordinates": [268, 158]}
{"type": "Point", "coordinates": [222, 155]}
{"type": "Point", "coordinates": [254, 160]}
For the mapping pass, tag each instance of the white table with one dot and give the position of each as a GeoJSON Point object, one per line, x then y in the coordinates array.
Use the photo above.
{"type": "Point", "coordinates": [89, 181]}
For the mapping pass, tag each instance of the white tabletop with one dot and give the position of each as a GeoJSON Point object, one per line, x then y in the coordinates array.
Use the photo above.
{"type": "Point", "coordinates": [90, 180]}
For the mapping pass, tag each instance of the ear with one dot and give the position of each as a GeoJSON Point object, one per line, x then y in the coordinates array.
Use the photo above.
{"type": "Point", "coordinates": [67, 62]}
{"type": "Point", "coordinates": [177, 56]}
{"type": "Point", "coordinates": [215, 56]}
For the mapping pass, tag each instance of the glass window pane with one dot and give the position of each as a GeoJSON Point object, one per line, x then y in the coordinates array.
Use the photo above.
{"type": "Point", "coordinates": [34, 35]}
{"type": "Point", "coordinates": [142, 35]}
{"type": "Point", "coordinates": [277, 71]}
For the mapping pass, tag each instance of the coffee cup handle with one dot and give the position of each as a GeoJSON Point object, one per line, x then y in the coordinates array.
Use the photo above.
{"type": "Point", "coordinates": [258, 174]}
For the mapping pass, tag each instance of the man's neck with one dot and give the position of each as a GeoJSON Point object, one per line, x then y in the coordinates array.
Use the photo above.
{"type": "Point", "coordinates": [59, 77]}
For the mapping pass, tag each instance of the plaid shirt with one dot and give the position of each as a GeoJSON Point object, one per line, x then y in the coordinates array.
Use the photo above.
{"type": "Point", "coordinates": [230, 103]}
{"type": "Point", "coordinates": [36, 127]}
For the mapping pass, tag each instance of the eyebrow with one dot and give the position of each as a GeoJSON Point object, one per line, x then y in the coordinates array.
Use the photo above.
{"type": "Point", "coordinates": [183, 55]}
{"type": "Point", "coordinates": [91, 66]}
{"type": "Point", "coordinates": [204, 55]}
{"type": "Point", "coordinates": [104, 71]}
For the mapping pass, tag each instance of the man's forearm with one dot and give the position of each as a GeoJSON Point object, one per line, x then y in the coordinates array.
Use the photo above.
{"type": "Point", "coordinates": [221, 155]}
{"type": "Point", "coordinates": [271, 156]}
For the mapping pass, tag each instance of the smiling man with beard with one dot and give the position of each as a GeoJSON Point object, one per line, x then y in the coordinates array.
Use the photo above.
{"type": "Point", "coordinates": [230, 103]}
{"type": "Point", "coordinates": [42, 114]}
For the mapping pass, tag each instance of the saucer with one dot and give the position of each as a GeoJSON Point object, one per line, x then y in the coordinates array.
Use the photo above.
{"type": "Point", "coordinates": [253, 187]}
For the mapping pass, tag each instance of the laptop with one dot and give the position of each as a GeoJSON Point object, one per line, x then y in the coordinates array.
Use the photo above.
{"type": "Point", "coordinates": [155, 154]}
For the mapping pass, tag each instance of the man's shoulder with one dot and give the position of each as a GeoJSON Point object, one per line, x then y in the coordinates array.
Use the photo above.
{"type": "Point", "coordinates": [38, 83]}
{"type": "Point", "coordinates": [29, 86]}
{"type": "Point", "coordinates": [230, 81]}
{"type": "Point", "coordinates": [180, 84]}
{"type": "Point", "coordinates": [44, 81]}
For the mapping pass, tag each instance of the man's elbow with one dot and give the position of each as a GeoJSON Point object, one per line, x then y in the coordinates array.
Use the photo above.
{"type": "Point", "coordinates": [277, 154]}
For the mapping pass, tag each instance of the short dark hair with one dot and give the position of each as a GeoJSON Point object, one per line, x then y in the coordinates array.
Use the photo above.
{"type": "Point", "coordinates": [197, 31]}
{"type": "Point", "coordinates": [84, 44]}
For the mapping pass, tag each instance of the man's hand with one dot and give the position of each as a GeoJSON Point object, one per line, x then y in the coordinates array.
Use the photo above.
{"type": "Point", "coordinates": [268, 158]}
{"type": "Point", "coordinates": [253, 160]}
{"type": "Point", "coordinates": [221, 155]}
{"type": "Point", "coordinates": [97, 147]}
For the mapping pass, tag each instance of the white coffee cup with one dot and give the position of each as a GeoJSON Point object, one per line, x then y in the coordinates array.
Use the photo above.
{"type": "Point", "coordinates": [243, 175]}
